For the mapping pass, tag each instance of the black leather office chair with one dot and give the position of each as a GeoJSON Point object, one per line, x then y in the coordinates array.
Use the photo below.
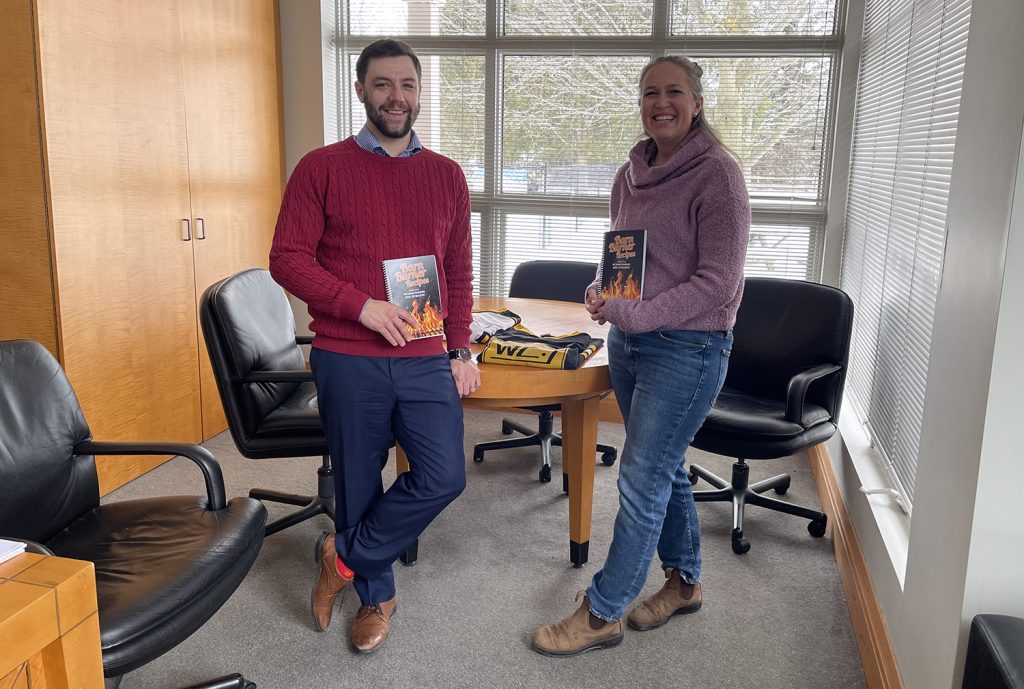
{"type": "Point", "coordinates": [268, 394]}
{"type": "Point", "coordinates": [782, 393]}
{"type": "Point", "coordinates": [995, 653]}
{"type": "Point", "coordinates": [556, 281]}
{"type": "Point", "coordinates": [163, 565]}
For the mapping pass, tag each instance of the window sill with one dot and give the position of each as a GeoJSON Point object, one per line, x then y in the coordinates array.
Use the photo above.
{"type": "Point", "coordinates": [892, 523]}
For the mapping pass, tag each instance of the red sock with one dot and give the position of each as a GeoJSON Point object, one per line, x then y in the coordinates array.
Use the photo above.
{"type": "Point", "coordinates": [346, 573]}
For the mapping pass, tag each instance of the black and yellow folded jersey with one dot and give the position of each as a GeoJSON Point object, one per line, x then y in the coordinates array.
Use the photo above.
{"type": "Point", "coordinates": [486, 323]}
{"type": "Point", "coordinates": [519, 346]}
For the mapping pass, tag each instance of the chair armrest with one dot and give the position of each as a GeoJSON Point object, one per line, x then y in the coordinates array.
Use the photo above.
{"type": "Point", "coordinates": [200, 455]}
{"type": "Point", "coordinates": [303, 339]}
{"type": "Point", "coordinates": [278, 377]}
{"type": "Point", "coordinates": [796, 391]}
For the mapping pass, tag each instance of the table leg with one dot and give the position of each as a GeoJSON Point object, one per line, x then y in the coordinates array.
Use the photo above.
{"type": "Point", "coordinates": [579, 443]}
{"type": "Point", "coordinates": [401, 460]}
{"type": "Point", "coordinates": [74, 657]}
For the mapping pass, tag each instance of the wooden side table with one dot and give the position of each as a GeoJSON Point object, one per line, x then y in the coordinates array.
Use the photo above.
{"type": "Point", "coordinates": [49, 626]}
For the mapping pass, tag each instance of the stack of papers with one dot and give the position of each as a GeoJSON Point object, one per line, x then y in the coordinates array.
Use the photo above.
{"type": "Point", "coordinates": [9, 549]}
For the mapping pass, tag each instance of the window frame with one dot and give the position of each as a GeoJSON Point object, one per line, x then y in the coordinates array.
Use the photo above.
{"type": "Point", "coordinates": [491, 204]}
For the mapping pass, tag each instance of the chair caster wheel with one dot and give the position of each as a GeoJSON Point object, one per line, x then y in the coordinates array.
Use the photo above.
{"type": "Point", "coordinates": [545, 474]}
{"type": "Point", "coordinates": [565, 483]}
{"type": "Point", "coordinates": [816, 527]}
{"type": "Point", "coordinates": [693, 477]}
{"type": "Point", "coordinates": [505, 429]}
{"type": "Point", "coordinates": [781, 490]}
{"type": "Point", "coordinates": [478, 457]}
{"type": "Point", "coordinates": [740, 545]}
{"type": "Point", "coordinates": [608, 458]}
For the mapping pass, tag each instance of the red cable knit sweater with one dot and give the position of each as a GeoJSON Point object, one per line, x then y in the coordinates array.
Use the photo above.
{"type": "Point", "coordinates": [344, 211]}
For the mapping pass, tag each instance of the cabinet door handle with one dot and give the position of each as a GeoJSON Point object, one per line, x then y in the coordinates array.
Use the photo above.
{"type": "Point", "coordinates": [186, 231]}
{"type": "Point", "coordinates": [200, 228]}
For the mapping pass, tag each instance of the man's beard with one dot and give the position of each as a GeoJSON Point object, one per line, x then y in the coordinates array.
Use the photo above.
{"type": "Point", "coordinates": [377, 118]}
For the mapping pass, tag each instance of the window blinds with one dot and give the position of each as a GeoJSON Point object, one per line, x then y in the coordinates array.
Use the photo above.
{"type": "Point", "coordinates": [908, 98]}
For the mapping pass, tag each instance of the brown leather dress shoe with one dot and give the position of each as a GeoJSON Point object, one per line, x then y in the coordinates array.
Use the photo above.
{"type": "Point", "coordinates": [676, 597]}
{"type": "Point", "coordinates": [328, 582]}
{"type": "Point", "coordinates": [573, 635]}
{"type": "Point", "coordinates": [370, 629]}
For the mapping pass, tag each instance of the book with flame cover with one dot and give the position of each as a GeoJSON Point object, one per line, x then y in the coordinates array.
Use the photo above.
{"type": "Point", "coordinates": [622, 264]}
{"type": "Point", "coordinates": [412, 284]}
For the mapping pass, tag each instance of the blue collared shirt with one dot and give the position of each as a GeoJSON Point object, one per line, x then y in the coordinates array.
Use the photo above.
{"type": "Point", "coordinates": [367, 141]}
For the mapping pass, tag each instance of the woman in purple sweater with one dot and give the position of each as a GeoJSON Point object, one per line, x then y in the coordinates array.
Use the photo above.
{"type": "Point", "coordinates": [668, 353]}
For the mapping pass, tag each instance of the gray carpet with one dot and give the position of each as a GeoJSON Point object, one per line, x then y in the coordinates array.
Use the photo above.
{"type": "Point", "coordinates": [494, 566]}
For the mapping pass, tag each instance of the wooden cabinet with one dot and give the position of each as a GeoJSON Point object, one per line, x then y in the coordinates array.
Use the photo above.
{"type": "Point", "coordinates": [235, 148]}
{"type": "Point", "coordinates": [142, 164]}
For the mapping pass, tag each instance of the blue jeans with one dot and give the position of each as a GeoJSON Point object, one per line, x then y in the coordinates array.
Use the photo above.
{"type": "Point", "coordinates": [665, 383]}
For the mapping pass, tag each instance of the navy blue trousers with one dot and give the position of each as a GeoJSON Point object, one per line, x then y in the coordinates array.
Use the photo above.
{"type": "Point", "coordinates": [365, 403]}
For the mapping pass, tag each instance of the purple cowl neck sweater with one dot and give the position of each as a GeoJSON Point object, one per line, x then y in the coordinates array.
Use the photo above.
{"type": "Point", "coordinates": [696, 212]}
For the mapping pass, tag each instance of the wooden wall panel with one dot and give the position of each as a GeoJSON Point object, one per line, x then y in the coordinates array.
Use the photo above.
{"type": "Point", "coordinates": [122, 120]}
{"type": "Point", "coordinates": [26, 284]}
{"type": "Point", "coordinates": [116, 144]}
{"type": "Point", "coordinates": [235, 156]}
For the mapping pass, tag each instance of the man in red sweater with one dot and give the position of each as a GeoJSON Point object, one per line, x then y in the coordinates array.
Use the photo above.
{"type": "Point", "coordinates": [347, 207]}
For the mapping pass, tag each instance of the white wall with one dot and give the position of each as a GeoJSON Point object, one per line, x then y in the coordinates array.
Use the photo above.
{"type": "Point", "coordinates": [302, 75]}
{"type": "Point", "coordinates": [995, 570]}
{"type": "Point", "coordinates": [302, 78]}
{"type": "Point", "coordinates": [961, 557]}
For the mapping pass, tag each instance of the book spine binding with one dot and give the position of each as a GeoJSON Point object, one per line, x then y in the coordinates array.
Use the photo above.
{"type": "Point", "coordinates": [643, 266]}
{"type": "Point", "coordinates": [387, 282]}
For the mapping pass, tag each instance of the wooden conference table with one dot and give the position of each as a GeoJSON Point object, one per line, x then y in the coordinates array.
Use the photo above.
{"type": "Point", "coordinates": [579, 392]}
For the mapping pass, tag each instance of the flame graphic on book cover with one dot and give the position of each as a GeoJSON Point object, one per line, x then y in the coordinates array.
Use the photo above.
{"type": "Point", "coordinates": [624, 287]}
{"type": "Point", "coordinates": [428, 318]}
{"type": "Point", "coordinates": [412, 284]}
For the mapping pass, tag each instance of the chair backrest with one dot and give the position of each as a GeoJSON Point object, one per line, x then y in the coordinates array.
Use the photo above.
{"type": "Point", "coordinates": [248, 326]}
{"type": "Point", "coordinates": [787, 326]}
{"type": "Point", "coordinates": [44, 486]}
{"type": "Point", "coordinates": [556, 280]}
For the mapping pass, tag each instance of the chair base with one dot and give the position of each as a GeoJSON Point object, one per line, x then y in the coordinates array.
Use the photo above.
{"type": "Point", "coordinates": [545, 437]}
{"type": "Point", "coordinates": [235, 681]}
{"type": "Point", "coordinates": [740, 493]}
{"type": "Point", "coordinates": [312, 505]}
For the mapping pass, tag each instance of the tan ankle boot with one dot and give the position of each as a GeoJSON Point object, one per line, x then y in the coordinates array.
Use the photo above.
{"type": "Point", "coordinates": [328, 582]}
{"type": "Point", "coordinates": [676, 597]}
{"type": "Point", "coordinates": [573, 635]}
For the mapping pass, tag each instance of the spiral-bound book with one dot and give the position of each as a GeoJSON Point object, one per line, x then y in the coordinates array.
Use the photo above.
{"type": "Point", "coordinates": [412, 284]}
{"type": "Point", "coordinates": [622, 264]}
